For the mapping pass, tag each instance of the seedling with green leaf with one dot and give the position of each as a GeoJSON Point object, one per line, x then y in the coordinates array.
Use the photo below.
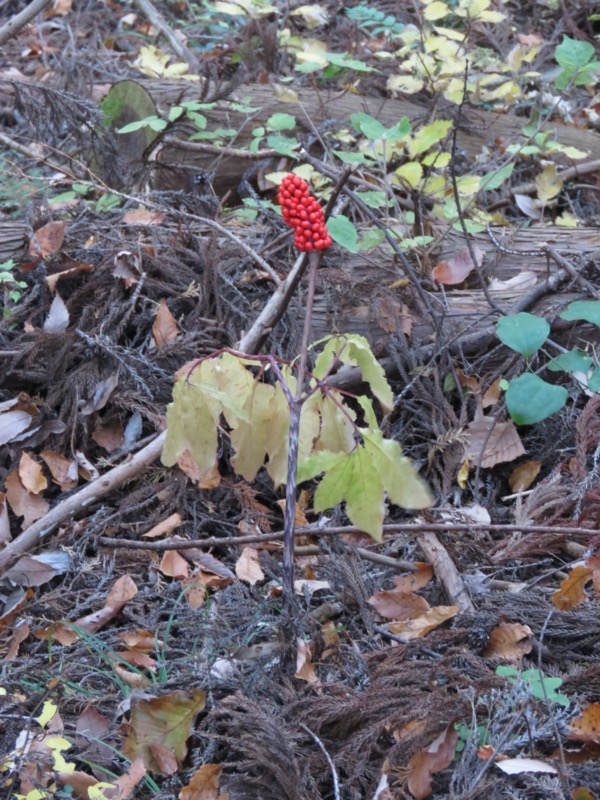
{"type": "Point", "coordinates": [541, 686]}
{"type": "Point", "coordinates": [580, 68]}
{"type": "Point", "coordinates": [297, 427]}
{"type": "Point", "coordinates": [13, 288]}
{"type": "Point", "coordinates": [529, 398]}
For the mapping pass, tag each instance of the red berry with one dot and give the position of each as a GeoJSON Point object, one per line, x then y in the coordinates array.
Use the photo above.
{"type": "Point", "coordinates": [303, 213]}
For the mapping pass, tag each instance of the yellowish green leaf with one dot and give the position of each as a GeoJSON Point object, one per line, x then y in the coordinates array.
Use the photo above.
{"type": "Point", "coordinates": [548, 183]}
{"type": "Point", "coordinates": [429, 135]}
{"type": "Point", "coordinates": [410, 173]}
{"type": "Point", "coordinates": [409, 84]}
{"type": "Point", "coordinates": [436, 10]}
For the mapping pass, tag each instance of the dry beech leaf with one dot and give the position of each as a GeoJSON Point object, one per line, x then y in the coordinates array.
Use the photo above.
{"type": "Point", "coordinates": [406, 320]}
{"type": "Point", "coordinates": [299, 516]}
{"type": "Point", "coordinates": [522, 282]}
{"type": "Point", "coordinates": [415, 580]}
{"type": "Point", "coordinates": [523, 476]}
{"type": "Point", "coordinates": [57, 320]}
{"type": "Point", "coordinates": [304, 668]}
{"type": "Point", "coordinates": [4, 520]}
{"type": "Point", "coordinates": [65, 472]}
{"type": "Point", "coordinates": [22, 631]}
{"type": "Point", "coordinates": [144, 641]}
{"type": "Point", "coordinates": [434, 758]}
{"type": "Point", "coordinates": [516, 766]}
{"type": "Point", "coordinates": [385, 310]}
{"type": "Point", "coordinates": [457, 268]}
{"type": "Point", "coordinates": [509, 640]}
{"type": "Point", "coordinates": [195, 591]}
{"type": "Point", "coordinates": [110, 436]}
{"type": "Point", "coordinates": [492, 394]}
{"type": "Point", "coordinates": [160, 727]}
{"type": "Point", "coordinates": [204, 784]}
{"type": "Point", "coordinates": [167, 526]}
{"type": "Point", "coordinates": [164, 329]}
{"type": "Point", "coordinates": [13, 423]}
{"type": "Point", "coordinates": [399, 606]}
{"type": "Point", "coordinates": [529, 206]}
{"type": "Point", "coordinates": [248, 568]}
{"type": "Point", "coordinates": [572, 589]}
{"type": "Point", "coordinates": [123, 590]}
{"type": "Point", "coordinates": [174, 565]}
{"type": "Point", "coordinates": [32, 477]}
{"type": "Point", "coordinates": [47, 240]}
{"type": "Point", "coordinates": [101, 396]}
{"type": "Point", "coordinates": [415, 628]}
{"type": "Point", "coordinates": [52, 280]}
{"type": "Point", "coordinates": [502, 444]}
{"type": "Point", "coordinates": [142, 216]}
{"type": "Point", "coordinates": [29, 506]}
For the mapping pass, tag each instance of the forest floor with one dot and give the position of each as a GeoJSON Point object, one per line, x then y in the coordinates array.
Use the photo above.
{"type": "Point", "coordinates": [456, 655]}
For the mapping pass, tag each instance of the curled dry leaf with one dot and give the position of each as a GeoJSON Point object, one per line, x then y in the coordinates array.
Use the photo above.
{"type": "Point", "coordinates": [52, 280]}
{"type": "Point", "coordinates": [416, 628]}
{"type": "Point", "coordinates": [414, 580]}
{"type": "Point", "coordinates": [509, 640]}
{"type": "Point", "coordinates": [572, 589]}
{"type": "Point", "coordinates": [123, 590]}
{"type": "Point", "coordinates": [522, 282]}
{"type": "Point", "coordinates": [164, 329]}
{"type": "Point", "coordinates": [47, 241]}
{"type": "Point", "coordinates": [57, 320]}
{"type": "Point", "coordinates": [248, 568]}
{"type": "Point", "coordinates": [523, 476]}
{"type": "Point", "coordinates": [457, 268]}
{"type": "Point", "coordinates": [109, 435]}
{"type": "Point", "coordinates": [64, 470]}
{"type": "Point", "coordinates": [304, 667]}
{"type": "Point", "coordinates": [13, 423]}
{"type": "Point", "coordinates": [424, 764]}
{"type": "Point", "coordinates": [517, 766]}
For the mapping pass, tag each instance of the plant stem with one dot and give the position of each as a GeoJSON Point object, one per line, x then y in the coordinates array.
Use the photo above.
{"type": "Point", "coordinates": [293, 440]}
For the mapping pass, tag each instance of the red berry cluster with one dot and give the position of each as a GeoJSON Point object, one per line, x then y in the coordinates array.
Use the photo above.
{"type": "Point", "coordinates": [303, 213]}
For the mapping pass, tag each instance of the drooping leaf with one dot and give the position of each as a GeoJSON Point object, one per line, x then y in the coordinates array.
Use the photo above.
{"type": "Point", "coordinates": [354, 350]}
{"type": "Point", "coordinates": [343, 232]}
{"type": "Point", "coordinates": [530, 399]}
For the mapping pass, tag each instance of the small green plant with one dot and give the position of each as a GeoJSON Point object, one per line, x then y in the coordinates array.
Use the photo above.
{"type": "Point", "coordinates": [13, 288]}
{"type": "Point", "coordinates": [529, 398]}
{"type": "Point", "coordinates": [272, 130]}
{"type": "Point", "coordinates": [580, 68]}
{"type": "Point", "coordinates": [541, 686]}
{"type": "Point", "coordinates": [375, 22]}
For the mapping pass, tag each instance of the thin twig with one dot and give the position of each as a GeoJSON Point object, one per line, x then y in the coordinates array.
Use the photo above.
{"type": "Point", "coordinates": [18, 21]}
{"type": "Point", "coordinates": [334, 775]}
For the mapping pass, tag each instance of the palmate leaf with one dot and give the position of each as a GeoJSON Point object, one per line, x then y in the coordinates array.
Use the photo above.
{"type": "Point", "coordinates": [362, 478]}
{"type": "Point", "coordinates": [354, 350]}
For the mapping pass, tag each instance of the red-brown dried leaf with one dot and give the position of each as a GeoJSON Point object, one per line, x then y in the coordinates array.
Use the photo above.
{"type": "Point", "coordinates": [424, 764]}
{"type": "Point", "coordinates": [572, 589]}
{"type": "Point", "coordinates": [586, 728]}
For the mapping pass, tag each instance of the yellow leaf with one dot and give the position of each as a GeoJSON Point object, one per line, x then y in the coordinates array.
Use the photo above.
{"type": "Point", "coordinates": [48, 711]}
{"type": "Point", "coordinates": [57, 744]}
{"type": "Point", "coordinates": [405, 83]}
{"type": "Point", "coordinates": [463, 474]}
{"type": "Point", "coordinates": [436, 10]}
{"type": "Point", "coordinates": [410, 173]}
{"type": "Point", "coordinates": [313, 16]}
{"type": "Point", "coordinates": [548, 184]}
{"type": "Point", "coordinates": [566, 220]}
{"type": "Point", "coordinates": [469, 185]}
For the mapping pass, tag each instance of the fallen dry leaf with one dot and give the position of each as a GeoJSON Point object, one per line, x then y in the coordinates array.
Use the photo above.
{"type": "Point", "coordinates": [4, 520]}
{"type": "Point", "coordinates": [572, 589]}
{"type": "Point", "coordinates": [52, 280]}
{"type": "Point", "coordinates": [64, 470]}
{"type": "Point", "coordinates": [521, 478]}
{"type": "Point", "coordinates": [586, 727]}
{"type": "Point", "coordinates": [174, 565]}
{"type": "Point", "coordinates": [500, 439]}
{"type": "Point", "coordinates": [13, 423]}
{"type": "Point", "coordinates": [159, 729]}
{"type": "Point", "coordinates": [29, 506]}
{"type": "Point", "coordinates": [415, 628]}
{"type": "Point", "coordinates": [414, 580]}
{"type": "Point", "coordinates": [167, 526]}
{"type": "Point", "coordinates": [517, 766]}
{"type": "Point", "coordinates": [398, 606]}
{"type": "Point", "coordinates": [143, 216]}
{"type": "Point", "coordinates": [58, 317]}
{"type": "Point", "coordinates": [248, 568]}
{"type": "Point", "coordinates": [123, 590]}
{"type": "Point", "coordinates": [110, 435]}
{"type": "Point", "coordinates": [47, 241]}
{"type": "Point", "coordinates": [31, 474]}
{"type": "Point", "coordinates": [304, 667]}
{"type": "Point", "coordinates": [457, 268]}
{"type": "Point", "coordinates": [204, 784]}
{"type": "Point", "coordinates": [164, 329]}
{"type": "Point", "coordinates": [424, 764]}
{"type": "Point", "coordinates": [509, 640]}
